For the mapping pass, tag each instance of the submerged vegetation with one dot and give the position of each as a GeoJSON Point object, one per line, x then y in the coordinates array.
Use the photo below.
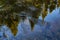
{"type": "Point", "coordinates": [12, 11]}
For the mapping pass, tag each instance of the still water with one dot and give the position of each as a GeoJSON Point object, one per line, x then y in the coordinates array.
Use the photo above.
{"type": "Point", "coordinates": [48, 31]}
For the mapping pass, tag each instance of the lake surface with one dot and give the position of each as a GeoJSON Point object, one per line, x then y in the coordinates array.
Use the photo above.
{"type": "Point", "coordinates": [48, 31]}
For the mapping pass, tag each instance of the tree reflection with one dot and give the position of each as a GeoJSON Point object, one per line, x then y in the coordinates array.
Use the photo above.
{"type": "Point", "coordinates": [10, 11]}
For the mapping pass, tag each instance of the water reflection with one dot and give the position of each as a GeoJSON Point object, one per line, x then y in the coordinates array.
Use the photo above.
{"type": "Point", "coordinates": [17, 26]}
{"type": "Point", "coordinates": [48, 31]}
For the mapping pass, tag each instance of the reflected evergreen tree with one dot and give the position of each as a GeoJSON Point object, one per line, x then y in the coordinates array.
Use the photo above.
{"type": "Point", "coordinates": [10, 11]}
